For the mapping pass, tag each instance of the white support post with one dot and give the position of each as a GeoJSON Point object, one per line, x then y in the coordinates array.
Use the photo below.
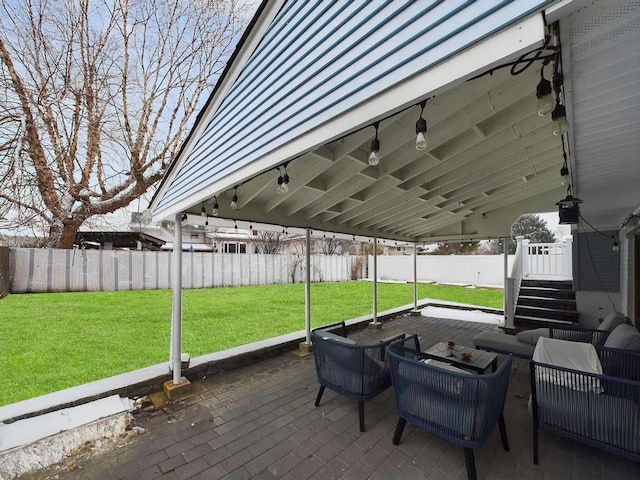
{"type": "Point", "coordinates": [525, 257]}
{"type": "Point", "coordinates": [375, 325]}
{"type": "Point", "coordinates": [178, 387]}
{"type": "Point", "coordinates": [415, 311]}
{"type": "Point", "coordinates": [307, 287]}
{"type": "Point", "coordinates": [305, 348]}
{"type": "Point", "coordinates": [505, 273]}
{"type": "Point", "coordinates": [567, 257]}
{"type": "Point", "coordinates": [509, 299]}
{"type": "Point", "coordinates": [176, 312]}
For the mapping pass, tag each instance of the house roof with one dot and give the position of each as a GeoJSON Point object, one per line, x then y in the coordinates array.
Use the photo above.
{"type": "Point", "coordinates": [314, 78]}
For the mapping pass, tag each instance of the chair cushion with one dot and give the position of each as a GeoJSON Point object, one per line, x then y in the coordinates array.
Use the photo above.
{"type": "Point", "coordinates": [337, 338]}
{"type": "Point", "coordinates": [531, 336]}
{"type": "Point", "coordinates": [624, 337]}
{"type": "Point", "coordinates": [503, 343]}
{"type": "Point", "coordinates": [568, 355]}
{"type": "Point", "coordinates": [611, 321]}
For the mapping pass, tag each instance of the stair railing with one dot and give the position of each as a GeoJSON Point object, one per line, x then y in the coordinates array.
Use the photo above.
{"type": "Point", "coordinates": [549, 259]}
{"type": "Point", "coordinates": [519, 269]}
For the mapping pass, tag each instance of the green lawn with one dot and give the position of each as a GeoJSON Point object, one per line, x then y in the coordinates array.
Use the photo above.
{"type": "Point", "coordinates": [53, 341]}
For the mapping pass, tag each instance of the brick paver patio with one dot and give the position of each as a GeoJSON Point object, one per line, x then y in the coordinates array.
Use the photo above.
{"type": "Point", "coordinates": [260, 422]}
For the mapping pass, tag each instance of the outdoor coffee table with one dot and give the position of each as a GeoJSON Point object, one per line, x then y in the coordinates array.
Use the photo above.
{"type": "Point", "coordinates": [479, 361]}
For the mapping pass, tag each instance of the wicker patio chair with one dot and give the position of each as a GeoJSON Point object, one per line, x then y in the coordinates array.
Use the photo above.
{"type": "Point", "coordinates": [602, 411]}
{"type": "Point", "coordinates": [462, 408]}
{"type": "Point", "coordinates": [358, 372]}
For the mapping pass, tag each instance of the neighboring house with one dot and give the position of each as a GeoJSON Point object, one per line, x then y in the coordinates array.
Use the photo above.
{"type": "Point", "coordinates": [122, 240]}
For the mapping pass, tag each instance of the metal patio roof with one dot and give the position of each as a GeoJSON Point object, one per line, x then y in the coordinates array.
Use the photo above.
{"type": "Point", "coordinates": [321, 73]}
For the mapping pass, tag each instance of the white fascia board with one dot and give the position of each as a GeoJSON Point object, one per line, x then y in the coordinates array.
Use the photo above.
{"type": "Point", "coordinates": [520, 38]}
{"type": "Point", "coordinates": [251, 43]}
{"type": "Point", "coordinates": [563, 9]}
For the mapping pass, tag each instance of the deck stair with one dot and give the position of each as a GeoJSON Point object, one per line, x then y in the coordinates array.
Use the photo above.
{"type": "Point", "coordinates": [545, 302]}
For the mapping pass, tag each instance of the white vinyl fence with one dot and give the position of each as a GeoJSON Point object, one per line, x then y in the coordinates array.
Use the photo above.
{"type": "Point", "coordinates": [49, 270]}
{"type": "Point", "coordinates": [456, 269]}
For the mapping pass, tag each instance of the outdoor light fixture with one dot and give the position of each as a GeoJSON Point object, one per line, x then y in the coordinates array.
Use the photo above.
{"type": "Point", "coordinates": [616, 246]}
{"type": "Point", "coordinates": [560, 124]}
{"type": "Point", "coordinates": [234, 200]}
{"type": "Point", "coordinates": [421, 129]}
{"type": "Point", "coordinates": [374, 156]}
{"type": "Point", "coordinates": [569, 210]}
{"type": "Point", "coordinates": [544, 96]}
{"type": "Point", "coordinates": [214, 212]}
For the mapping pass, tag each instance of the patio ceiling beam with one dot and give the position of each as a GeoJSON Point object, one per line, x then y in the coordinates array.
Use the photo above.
{"type": "Point", "coordinates": [415, 168]}
{"type": "Point", "coordinates": [328, 181]}
{"type": "Point", "coordinates": [436, 188]}
{"type": "Point", "coordinates": [335, 195]}
{"type": "Point", "coordinates": [257, 185]}
{"type": "Point", "coordinates": [469, 207]}
{"type": "Point", "coordinates": [506, 196]}
{"type": "Point", "coordinates": [509, 192]}
{"type": "Point", "coordinates": [497, 98]}
{"type": "Point", "coordinates": [305, 170]}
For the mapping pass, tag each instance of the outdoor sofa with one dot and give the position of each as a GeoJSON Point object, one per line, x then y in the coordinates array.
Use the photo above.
{"type": "Point", "coordinates": [524, 343]}
{"type": "Point", "coordinates": [359, 372]}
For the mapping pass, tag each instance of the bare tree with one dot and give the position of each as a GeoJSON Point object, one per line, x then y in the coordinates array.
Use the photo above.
{"type": "Point", "coordinates": [335, 246]}
{"type": "Point", "coordinates": [270, 242]}
{"type": "Point", "coordinates": [95, 100]}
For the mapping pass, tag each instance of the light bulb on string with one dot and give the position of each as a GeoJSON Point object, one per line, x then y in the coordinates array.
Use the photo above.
{"type": "Point", "coordinates": [214, 212]}
{"type": "Point", "coordinates": [374, 155]}
{"type": "Point", "coordinates": [564, 176]}
{"type": "Point", "coordinates": [544, 96]}
{"type": "Point", "coordinates": [421, 130]}
{"type": "Point", "coordinates": [560, 124]}
{"type": "Point", "coordinates": [279, 188]}
{"type": "Point", "coordinates": [234, 200]}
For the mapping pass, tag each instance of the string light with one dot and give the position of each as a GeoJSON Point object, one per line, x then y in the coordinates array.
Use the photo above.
{"type": "Point", "coordinates": [214, 212]}
{"type": "Point", "coordinates": [234, 200]}
{"type": "Point", "coordinates": [565, 179]}
{"type": "Point", "coordinates": [544, 95]}
{"type": "Point", "coordinates": [374, 156]}
{"type": "Point", "coordinates": [283, 181]}
{"type": "Point", "coordinates": [203, 211]}
{"type": "Point", "coordinates": [560, 124]}
{"type": "Point", "coordinates": [421, 129]}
